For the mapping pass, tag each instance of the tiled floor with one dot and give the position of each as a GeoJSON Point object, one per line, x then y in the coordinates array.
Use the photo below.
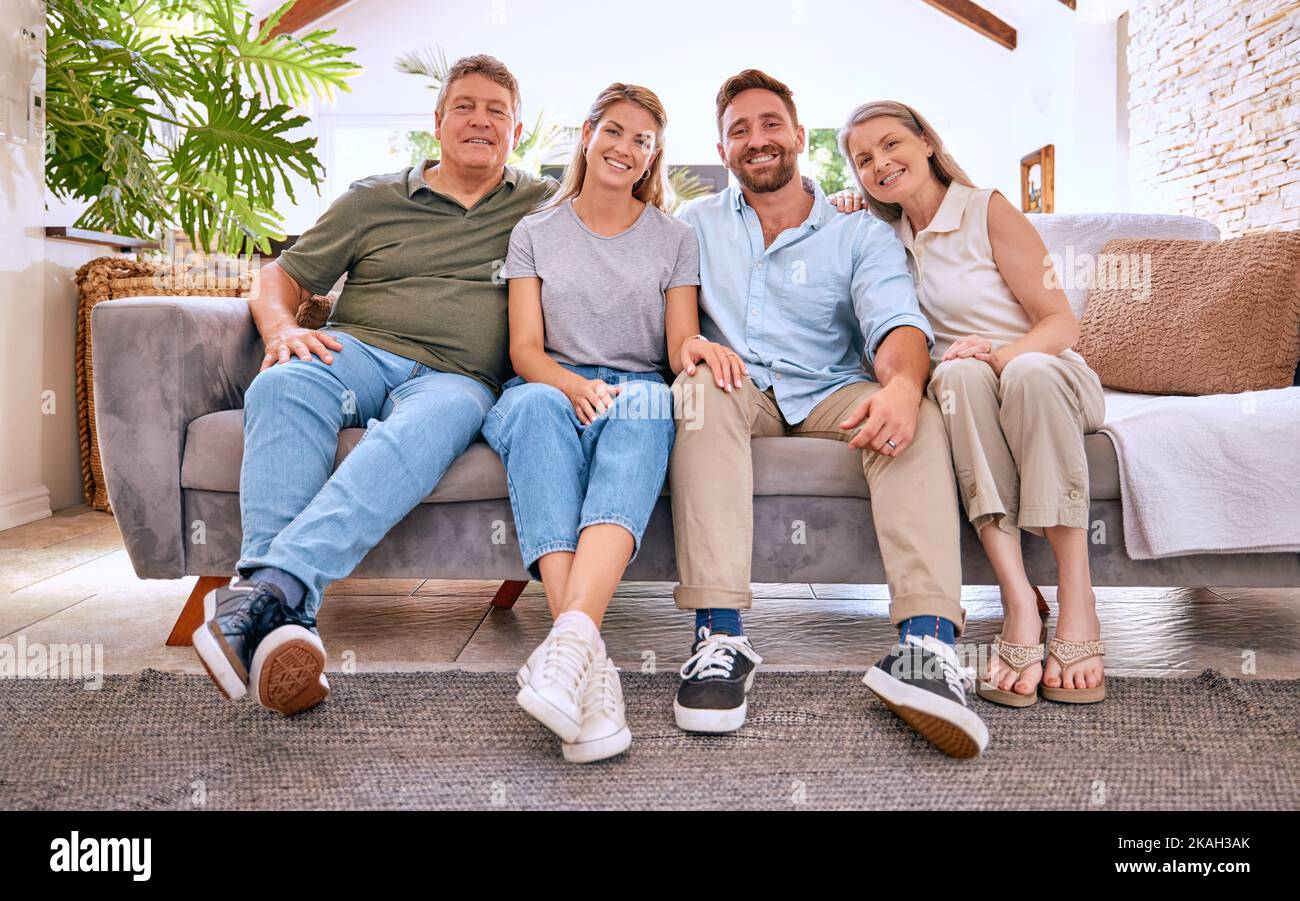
{"type": "Point", "coordinates": [67, 579]}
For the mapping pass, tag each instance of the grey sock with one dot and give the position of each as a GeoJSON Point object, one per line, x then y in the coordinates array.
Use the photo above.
{"type": "Point", "coordinates": [293, 590]}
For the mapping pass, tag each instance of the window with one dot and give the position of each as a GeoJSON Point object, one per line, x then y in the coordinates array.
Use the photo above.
{"type": "Point", "coordinates": [825, 164]}
{"type": "Point", "coordinates": [357, 146]}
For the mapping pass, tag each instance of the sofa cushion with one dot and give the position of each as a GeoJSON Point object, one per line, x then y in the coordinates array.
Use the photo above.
{"type": "Point", "coordinates": [813, 467]}
{"type": "Point", "coordinates": [1074, 240]}
{"type": "Point", "coordinates": [1196, 305]}
{"type": "Point", "coordinates": [214, 450]}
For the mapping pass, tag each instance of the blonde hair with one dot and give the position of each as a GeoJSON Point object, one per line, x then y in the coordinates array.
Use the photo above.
{"type": "Point", "coordinates": [652, 187]}
{"type": "Point", "coordinates": [942, 165]}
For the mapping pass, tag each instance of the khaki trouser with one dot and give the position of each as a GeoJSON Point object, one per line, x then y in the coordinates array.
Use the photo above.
{"type": "Point", "coordinates": [1017, 441]}
{"type": "Point", "coordinates": [913, 498]}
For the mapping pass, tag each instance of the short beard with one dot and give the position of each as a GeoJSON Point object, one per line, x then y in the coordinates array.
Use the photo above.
{"type": "Point", "coordinates": [774, 180]}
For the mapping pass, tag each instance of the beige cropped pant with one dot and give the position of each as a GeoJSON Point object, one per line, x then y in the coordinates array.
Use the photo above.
{"type": "Point", "coordinates": [711, 473]}
{"type": "Point", "coordinates": [1017, 440]}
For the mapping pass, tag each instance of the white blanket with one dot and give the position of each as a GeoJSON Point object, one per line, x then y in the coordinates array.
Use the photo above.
{"type": "Point", "coordinates": [1218, 474]}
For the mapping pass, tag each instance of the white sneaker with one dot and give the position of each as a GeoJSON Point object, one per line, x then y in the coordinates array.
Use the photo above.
{"type": "Point", "coordinates": [552, 682]}
{"type": "Point", "coordinates": [604, 719]}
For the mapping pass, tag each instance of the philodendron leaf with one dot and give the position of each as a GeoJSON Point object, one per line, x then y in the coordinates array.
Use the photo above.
{"type": "Point", "coordinates": [148, 100]}
{"type": "Point", "coordinates": [288, 69]}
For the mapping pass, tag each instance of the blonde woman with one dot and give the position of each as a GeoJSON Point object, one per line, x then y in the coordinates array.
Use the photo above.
{"type": "Point", "coordinates": [1016, 399]}
{"type": "Point", "coordinates": [603, 286]}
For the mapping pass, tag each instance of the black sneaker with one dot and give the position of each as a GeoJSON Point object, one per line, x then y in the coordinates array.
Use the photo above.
{"type": "Point", "coordinates": [715, 678]}
{"type": "Point", "coordinates": [236, 617]}
{"type": "Point", "coordinates": [923, 682]}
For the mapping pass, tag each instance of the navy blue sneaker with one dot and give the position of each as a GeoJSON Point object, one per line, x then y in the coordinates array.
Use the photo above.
{"type": "Point", "coordinates": [715, 679]}
{"type": "Point", "coordinates": [236, 617]}
{"type": "Point", "coordinates": [923, 681]}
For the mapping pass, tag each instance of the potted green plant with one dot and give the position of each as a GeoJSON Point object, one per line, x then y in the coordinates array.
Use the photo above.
{"type": "Point", "coordinates": [165, 114]}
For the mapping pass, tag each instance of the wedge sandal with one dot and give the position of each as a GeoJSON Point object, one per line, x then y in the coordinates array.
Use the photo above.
{"type": "Point", "coordinates": [1068, 653]}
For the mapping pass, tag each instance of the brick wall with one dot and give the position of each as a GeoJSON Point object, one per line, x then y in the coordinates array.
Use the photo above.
{"type": "Point", "coordinates": [1214, 110]}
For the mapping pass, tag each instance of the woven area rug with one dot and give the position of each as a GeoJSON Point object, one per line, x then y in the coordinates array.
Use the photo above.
{"type": "Point", "coordinates": [455, 739]}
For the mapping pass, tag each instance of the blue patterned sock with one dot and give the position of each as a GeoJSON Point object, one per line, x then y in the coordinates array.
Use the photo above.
{"type": "Point", "coordinates": [718, 619]}
{"type": "Point", "coordinates": [934, 626]}
{"type": "Point", "coordinates": [293, 590]}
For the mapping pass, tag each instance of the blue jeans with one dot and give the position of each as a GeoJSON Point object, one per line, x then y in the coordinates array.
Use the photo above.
{"type": "Point", "coordinates": [564, 476]}
{"type": "Point", "coordinates": [316, 526]}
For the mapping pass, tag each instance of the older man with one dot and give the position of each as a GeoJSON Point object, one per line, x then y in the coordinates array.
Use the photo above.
{"type": "Point", "coordinates": [416, 351]}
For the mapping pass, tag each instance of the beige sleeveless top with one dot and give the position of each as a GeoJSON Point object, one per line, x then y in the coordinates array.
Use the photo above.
{"type": "Point", "coordinates": [958, 284]}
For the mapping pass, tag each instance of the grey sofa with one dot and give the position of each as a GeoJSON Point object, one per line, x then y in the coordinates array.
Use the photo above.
{"type": "Point", "coordinates": [170, 377]}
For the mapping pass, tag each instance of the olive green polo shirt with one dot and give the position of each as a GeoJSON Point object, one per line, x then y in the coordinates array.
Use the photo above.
{"type": "Point", "coordinates": [422, 270]}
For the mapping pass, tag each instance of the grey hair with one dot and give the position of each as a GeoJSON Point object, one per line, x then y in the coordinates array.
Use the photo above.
{"type": "Point", "coordinates": [942, 165]}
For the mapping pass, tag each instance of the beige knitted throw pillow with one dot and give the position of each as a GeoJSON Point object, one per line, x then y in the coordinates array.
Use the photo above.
{"type": "Point", "coordinates": [1195, 317]}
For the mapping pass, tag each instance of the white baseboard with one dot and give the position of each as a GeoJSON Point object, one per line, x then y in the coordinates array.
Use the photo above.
{"type": "Point", "coordinates": [27, 505]}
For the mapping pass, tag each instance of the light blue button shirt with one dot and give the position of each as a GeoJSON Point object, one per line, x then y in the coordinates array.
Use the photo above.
{"type": "Point", "coordinates": [802, 313]}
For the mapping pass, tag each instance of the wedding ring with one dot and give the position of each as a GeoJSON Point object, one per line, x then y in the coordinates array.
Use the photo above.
{"type": "Point", "coordinates": [890, 442]}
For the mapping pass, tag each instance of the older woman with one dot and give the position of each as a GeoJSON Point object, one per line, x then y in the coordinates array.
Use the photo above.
{"type": "Point", "coordinates": [1016, 399]}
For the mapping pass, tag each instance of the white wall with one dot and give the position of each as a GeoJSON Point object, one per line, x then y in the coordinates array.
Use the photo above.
{"type": "Point", "coordinates": [40, 450]}
{"type": "Point", "coordinates": [991, 105]}
{"type": "Point", "coordinates": [1064, 94]}
{"type": "Point", "coordinates": [23, 495]}
{"type": "Point", "coordinates": [60, 439]}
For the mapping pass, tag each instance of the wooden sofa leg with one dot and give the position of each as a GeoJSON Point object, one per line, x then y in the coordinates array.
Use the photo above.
{"type": "Point", "coordinates": [507, 594]}
{"type": "Point", "coordinates": [192, 613]}
{"type": "Point", "coordinates": [1044, 611]}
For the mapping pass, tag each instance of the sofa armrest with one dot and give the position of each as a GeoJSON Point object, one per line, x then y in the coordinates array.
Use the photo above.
{"type": "Point", "coordinates": [161, 362]}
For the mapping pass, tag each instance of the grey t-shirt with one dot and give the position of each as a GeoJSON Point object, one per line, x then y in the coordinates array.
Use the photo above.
{"type": "Point", "coordinates": [603, 297]}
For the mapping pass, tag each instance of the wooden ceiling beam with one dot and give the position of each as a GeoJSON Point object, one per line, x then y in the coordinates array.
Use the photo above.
{"type": "Point", "coordinates": [303, 13]}
{"type": "Point", "coordinates": [978, 18]}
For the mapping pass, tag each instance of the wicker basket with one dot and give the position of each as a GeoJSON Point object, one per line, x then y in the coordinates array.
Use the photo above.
{"type": "Point", "coordinates": [110, 278]}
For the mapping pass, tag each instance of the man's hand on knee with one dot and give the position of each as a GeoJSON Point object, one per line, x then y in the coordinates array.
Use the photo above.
{"type": "Point", "coordinates": [888, 419]}
{"type": "Point", "coordinates": [291, 341]}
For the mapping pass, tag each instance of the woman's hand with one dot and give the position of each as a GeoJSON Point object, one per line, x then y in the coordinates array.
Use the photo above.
{"type": "Point", "coordinates": [970, 346]}
{"type": "Point", "coordinates": [725, 364]}
{"type": "Point", "coordinates": [975, 347]}
{"type": "Point", "coordinates": [590, 398]}
{"type": "Point", "coordinates": [997, 360]}
{"type": "Point", "coordinates": [847, 201]}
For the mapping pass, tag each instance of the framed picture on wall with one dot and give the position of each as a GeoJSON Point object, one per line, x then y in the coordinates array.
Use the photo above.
{"type": "Point", "coordinates": [1038, 181]}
